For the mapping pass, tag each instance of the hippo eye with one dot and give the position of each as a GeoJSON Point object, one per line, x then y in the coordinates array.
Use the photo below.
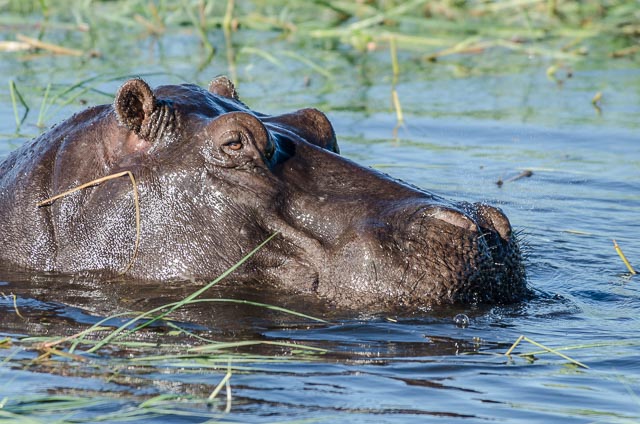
{"type": "Point", "coordinates": [234, 145]}
{"type": "Point", "coordinates": [233, 141]}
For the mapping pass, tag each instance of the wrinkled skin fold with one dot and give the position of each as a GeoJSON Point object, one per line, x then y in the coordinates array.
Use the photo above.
{"type": "Point", "coordinates": [215, 179]}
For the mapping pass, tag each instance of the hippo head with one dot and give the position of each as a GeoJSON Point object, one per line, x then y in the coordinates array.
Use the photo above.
{"type": "Point", "coordinates": [215, 179]}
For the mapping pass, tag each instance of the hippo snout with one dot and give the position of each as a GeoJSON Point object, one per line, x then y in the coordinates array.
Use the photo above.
{"type": "Point", "coordinates": [463, 253]}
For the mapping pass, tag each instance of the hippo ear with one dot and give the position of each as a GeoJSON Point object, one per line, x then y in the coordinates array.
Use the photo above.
{"type": "Point", "coordinates": [134, 103]}
{"type": "Point", "coordinates": [222, 86]}
{"type": "Point", "coordinates": [311, 125]}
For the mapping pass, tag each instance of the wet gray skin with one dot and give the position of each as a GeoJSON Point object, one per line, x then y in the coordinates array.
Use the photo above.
{"type": "Point", "coordinates": [215, 179]}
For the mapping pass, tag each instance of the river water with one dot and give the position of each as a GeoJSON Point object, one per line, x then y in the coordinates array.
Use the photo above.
{"type": "Point", "coordinates": [464, 130]}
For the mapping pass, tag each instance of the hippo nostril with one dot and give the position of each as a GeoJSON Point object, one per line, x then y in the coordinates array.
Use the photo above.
{"type": "Point", "coordinates": [454, 217]}
{"type": "Point", "coordinates": [492, 217]}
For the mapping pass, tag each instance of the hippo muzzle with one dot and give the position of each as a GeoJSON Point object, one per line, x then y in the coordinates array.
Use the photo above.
{"type": "Point", "coordinates": [392, 244]}
{"type": "Point", "coordinates": [215, 179]}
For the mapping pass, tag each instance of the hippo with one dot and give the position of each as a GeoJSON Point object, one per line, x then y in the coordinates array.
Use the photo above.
{"type": "Point", "coordinates": [182, 182]}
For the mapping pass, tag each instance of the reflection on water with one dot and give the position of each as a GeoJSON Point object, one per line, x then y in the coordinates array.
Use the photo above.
{"type": "Point", "coordinates": [461, 136]}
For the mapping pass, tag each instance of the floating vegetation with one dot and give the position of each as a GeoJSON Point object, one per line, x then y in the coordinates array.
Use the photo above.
{"type": "Point", "coordinates": [53, 48]}
{"type": "Point", "coordinates": [546, 349]}
{"type": "Point", "coordinates": [527, 173]}
{"type": "Point", "coordinates": [461, 38]}
{"type": "Point", "coordinates": [624, 258]}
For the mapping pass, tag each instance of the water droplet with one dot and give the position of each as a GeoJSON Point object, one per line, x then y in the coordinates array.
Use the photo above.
{"type": "Point", "coordinates": [461, 320]}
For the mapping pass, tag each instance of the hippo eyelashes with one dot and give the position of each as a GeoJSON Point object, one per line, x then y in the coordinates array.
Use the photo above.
{"type": "Point", "coordinates": [210, 180]}
{"type": "Point", "coordinates": [233, 140]}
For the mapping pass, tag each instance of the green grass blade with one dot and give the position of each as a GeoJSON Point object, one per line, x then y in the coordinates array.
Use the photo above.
{"type": "Point", "coordinates": [177, 304]}
{"type": "Point", "coordinates": [15, 97]}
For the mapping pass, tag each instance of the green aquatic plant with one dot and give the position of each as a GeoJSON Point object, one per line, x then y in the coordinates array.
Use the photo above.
{"type": "Point", "coordinates": [546, 349]}
{"type": "Point", "coordinates": [329, 39]}
{"type": "Point", "coordinates": [142, 320]}
{"type": "Point", "coordinates": [437, 28]}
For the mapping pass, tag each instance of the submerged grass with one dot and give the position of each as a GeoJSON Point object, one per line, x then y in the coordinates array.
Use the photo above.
{"type": "Point", "coordinates": [91, 409]}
